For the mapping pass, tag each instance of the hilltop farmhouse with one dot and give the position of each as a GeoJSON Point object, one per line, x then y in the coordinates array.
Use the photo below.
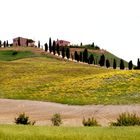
{"type": "Point", "coordinates": [20, 41]}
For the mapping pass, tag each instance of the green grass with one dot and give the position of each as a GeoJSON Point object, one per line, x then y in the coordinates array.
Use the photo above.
{"type": "Point", "coordinates": [8, 55]}
{"type": "Point", "coordinates": [13, 132]}
{"type": "Point", "coordinates": [50, 79]}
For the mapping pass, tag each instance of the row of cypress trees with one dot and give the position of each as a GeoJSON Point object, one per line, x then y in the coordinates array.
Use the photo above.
{"type": "Point", "coordinates": [85, 57]}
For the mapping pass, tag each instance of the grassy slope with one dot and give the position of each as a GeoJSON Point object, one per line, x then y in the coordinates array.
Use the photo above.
{"type": "Point", "coordinates": [49, 79]}
{"type": "Point", "coordinates": [14, 132]}
{"type": "Point", "coordinates": [97, 54]}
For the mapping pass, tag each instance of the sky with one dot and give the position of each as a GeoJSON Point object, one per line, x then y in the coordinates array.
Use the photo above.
{"type": "Point", "coordinates": [114, 25]}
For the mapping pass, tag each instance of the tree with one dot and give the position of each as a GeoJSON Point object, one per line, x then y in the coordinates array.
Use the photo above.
{"type": "Point", "coordinates": [122, 65]}
{"type": "Point", "coordinates": [68, 53]}
{"type": "Point", "coordinates": [38, 44]}
{"type": "Point", "coordinates": [91, 59]}
{"type": "Point", "coordinates": [7, 44]}
{"type": "Point", "coordinates": [58, 49]}
{"type": "Point", "coordinates": [46, 47]}
{"type": "Point", "coordinates": [85, 56]}
{"type": "Point", "coordinates": [130, 65]}
{"type": "Point", "coordinates": [92, 45]}
{"type": "Point", "coordinates": [19, 41]}
{"type": "Point", "coordinates": [81, 56]}
{"type": "Point", "coordinates": [50, 45]}
{"type": "Point", "coordinates": [0, 43]}
{"type": "Point", "coordinates": [102, 60]}
{"type": "Point", "coordinates": [63, 52]}
{"type": "Point", "coordinates": [114, 64]}
{"type": "Point", "coordinates": [107, 63]}
{"type": "Point", "coordinates": [27, 42]}
{"type": "Point", "coordinates": [76, 55]}
{"type": "Point", "coordinates": [138, 64]}
{"type": "Point", "coordinates": [4, 44]}
{"type": "Point", "coordinates": [54, 47]}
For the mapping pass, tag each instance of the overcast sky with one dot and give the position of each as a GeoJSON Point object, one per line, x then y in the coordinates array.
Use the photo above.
{"type": "Point", "coordinates": [112, 24]}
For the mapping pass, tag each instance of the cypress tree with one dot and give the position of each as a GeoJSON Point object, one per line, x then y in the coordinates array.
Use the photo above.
{"type": "Point", "coordinates": [114, 64]}
{"type": "Point", "coordinates": [54, 47]}
{"type": "Point", "coordinates": [19, 41]}
{"type": "Point", "coordinates": [50, 45]}
{"type": "Point", "coordinates": [102, 60]}
{"type": "Point", "coordinates": [27, 42]}
{"type": "Point", "coordinates": [4, 44]}
{"type": "Point", "coordinates": [81, 56]}
{"type": "Point", "coordinates": [107, 63]}
{"type": "Point", "coordinates": [38, 44]}
{"type": "Point", "coordinates": [7, 44]}
{"type": "Point", "coordinates": [46, 47]}
{"type": "Point", "coordinates": [75, 55]}
{"type": "Point", "coordinates": [122, 65]}
{"type": "Point", "coordinates": [138, 64]}
{"type": "Point", "coordinates": [0, 43]}
{"type": "Point", "coordinates": [63, 52]}
{"type": "Point", "coordinates": [68, 53]}
{"type": "Point", "coordinates": [130, 65]}
{"type": "Point", "coordinates": [91, 59]}
{"type": "Point", "coordinates": [58, 49]}
{"type": "Point", "coordinates": [85, 56]}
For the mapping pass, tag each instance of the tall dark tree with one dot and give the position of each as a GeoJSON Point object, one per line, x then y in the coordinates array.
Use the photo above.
{"type": "Point", "coordinates": [0, 43]}
{"type": "Point", "coordinates": [81, 57]}
{"type": "Point", "coordinates": [130, 65]}
{"type": "Point", "coordinates": [107, 63]}
{"type": "Point", "coordinates": [38, 44]}
{"type": "Point", "coordinates": [4, 44]}
{"type": "Point", "coordinates": [7, 44]}
{"type": "Point", "coordinates": [58, 49]}
{"type": "Point", "coordinates": [122, 67]}
{"type": "Point", "coordinates": [46, 47]}
{"type": "Point", "coordinates": [63, 52]}
{"type": "Point", "coordinates": [114, 64]}
{"type": "Point", "coordinates": [54, 47]}
{"type": "Point", "coordinates": [27, 42]}
{"type": "Point", "coordinates": [85, 56]}
{"type": "Point", "coordinates": [19, 41]}
{"type": "Point", "coordinates": [68, 53]}
{"type": "Point", "coordinates": [50, 45]}
{"type": "Point", "coordinates": [102, 60]}
{"type": "Point", "coordinates": [91, 59]}
{"type": "Point", "coordinates": [138, 64]}
{"type": "Point", "coordinates": [75, 55]}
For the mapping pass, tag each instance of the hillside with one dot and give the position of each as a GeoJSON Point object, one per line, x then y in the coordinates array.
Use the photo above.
{"type": "Point", "coordinates": [97, 54]}
{"type": "Point", "coordinates": [43, 77]}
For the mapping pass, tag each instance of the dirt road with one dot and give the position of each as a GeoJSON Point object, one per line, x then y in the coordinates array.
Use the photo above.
{"type": "Point", "coordinates": [42, 112]}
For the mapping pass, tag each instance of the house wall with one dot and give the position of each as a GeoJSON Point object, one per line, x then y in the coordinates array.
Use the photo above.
{"type": "Point", "coordinates": [62, 43]}
{"type": "Point", "coordinates": [19, 41]}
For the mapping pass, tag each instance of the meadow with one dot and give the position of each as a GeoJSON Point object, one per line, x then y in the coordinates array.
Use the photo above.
{"type": "Point", "coordinates": [19, 132]}
{"type": "Point", "coordinates": [49, 79]}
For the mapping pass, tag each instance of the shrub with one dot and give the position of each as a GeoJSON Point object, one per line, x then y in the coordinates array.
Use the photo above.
{"type": "Point", "coordinates": [14, 53]}
{"type": "Point", "coordinates": [127, 119]}
{"type": "Point", "coordinates": [56, 120]}
{"type": "Point", "coordinates": [23, 119]}
{"type": "Point", "coordinates": [90, 122]}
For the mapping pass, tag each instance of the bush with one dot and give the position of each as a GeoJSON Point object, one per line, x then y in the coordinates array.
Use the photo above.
{"type": "Point", "coordinates": [56, 120]}
{"type": "Point", "coordinates": [15, 53]}
{"type": "Point", "coordinates": [23, 119]}
{"type": "Point", "coordinates": [90, 122]}
{"type": "Point", "coordinates": [127, 119]}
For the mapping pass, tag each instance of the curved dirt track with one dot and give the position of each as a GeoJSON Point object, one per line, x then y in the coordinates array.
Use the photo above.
{"type": "Point", "coordinates": [41, 112]}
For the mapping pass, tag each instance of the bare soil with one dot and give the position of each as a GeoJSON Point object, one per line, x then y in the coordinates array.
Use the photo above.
{"type": "Point", "coordinates": [41, 112]}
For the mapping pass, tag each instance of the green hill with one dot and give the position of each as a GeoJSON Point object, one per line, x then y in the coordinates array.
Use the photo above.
{"type": "Point", "coordinates": [43, 77]}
